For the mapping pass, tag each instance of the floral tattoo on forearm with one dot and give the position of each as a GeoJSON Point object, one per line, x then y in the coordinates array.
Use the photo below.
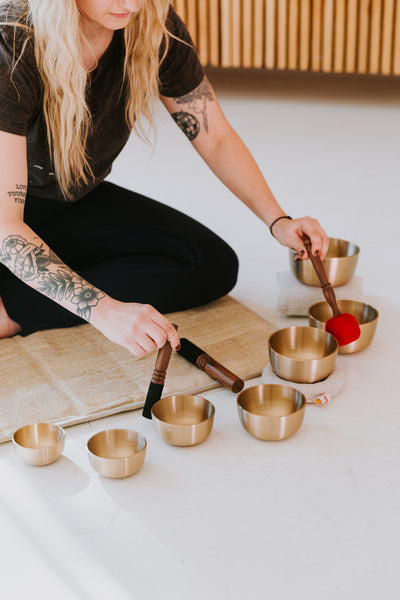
{"type": "Point", "coordinates": [30, 262]}
{"type": "Point", "coordinates": [196, 102]}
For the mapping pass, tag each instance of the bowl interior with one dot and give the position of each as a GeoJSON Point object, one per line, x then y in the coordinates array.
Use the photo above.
{"type": "Point", "coordinates": [364, 313]}
{"type": "Point", "coordinates": [341, 249]}
{"type": "Point", "coordinates": [116, 443]}
{"type": "Point", "coordinates": [302, 343]}
{"type": "Point", "coordinates": [39, 435]}
{"type": "Point", "coordinates": [183, 409]}
{"type": "Point", "coordinates": [271, 400]}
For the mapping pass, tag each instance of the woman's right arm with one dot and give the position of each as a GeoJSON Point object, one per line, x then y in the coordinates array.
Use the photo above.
{"type": "Point", "coordinates": [138, 327]}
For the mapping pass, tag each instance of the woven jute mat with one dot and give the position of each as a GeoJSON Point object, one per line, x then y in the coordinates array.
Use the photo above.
{"type": "Point", "coordinates": [69, 376]}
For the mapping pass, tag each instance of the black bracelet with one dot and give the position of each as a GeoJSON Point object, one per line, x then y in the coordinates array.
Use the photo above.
{"type": "Point", "coordinates": [276, 220]}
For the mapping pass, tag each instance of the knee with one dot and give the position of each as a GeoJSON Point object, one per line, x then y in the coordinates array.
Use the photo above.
{"type": "Point", "coordinates": [231, 269]}
{"type": "Point", "coordinates": [223, 269]}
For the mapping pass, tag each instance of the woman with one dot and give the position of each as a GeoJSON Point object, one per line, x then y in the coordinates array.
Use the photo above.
{"type": "Point", "coordinates": [76, 76]}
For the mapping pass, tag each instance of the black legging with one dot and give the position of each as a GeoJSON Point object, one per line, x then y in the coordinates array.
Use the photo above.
{"type": "Point", "coordinates": [133, 248]}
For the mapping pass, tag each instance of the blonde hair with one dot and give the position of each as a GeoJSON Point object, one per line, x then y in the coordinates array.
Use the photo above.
{"type": "Point", "coordinates": [55, 26]}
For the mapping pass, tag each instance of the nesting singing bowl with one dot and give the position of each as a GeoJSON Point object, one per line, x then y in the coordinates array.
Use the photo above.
{"type": "Point", "coordinates": [302, 354]}
{"type": "Point", "coordinates": [339, 263]}
{"type": "Point", "coordinates": [271, 412]}
{"type": "Point", "coordinates": [117, 453]}
{"type": "Point", "coordinates": [39, 444]}
{"type": "Point", "coordinates": [366, 315]}
{"type": "Point", "coordinates": [183, 420]}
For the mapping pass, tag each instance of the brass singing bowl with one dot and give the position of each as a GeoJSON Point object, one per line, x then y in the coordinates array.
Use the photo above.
{"type": "Point", "coordinates": [117, 453]}
{"type": "Point", "coordinates": [39, 444]}
{"type": "Point", "coordinates": [339, 263]}
{"type": "Point", "coordinates": [271, 412]}
{"type": "Point", "coordinates": [302, 354]}
{"type": "Point", "coordinates": [183, 420]}
{"type": "Point", "coordinates": [366, 315]}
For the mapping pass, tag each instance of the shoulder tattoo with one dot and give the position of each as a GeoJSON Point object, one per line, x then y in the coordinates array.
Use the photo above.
{"type": "Point", "coordinates": [196, 102]}
{"type": "Point", "coordinates": [189, 124]}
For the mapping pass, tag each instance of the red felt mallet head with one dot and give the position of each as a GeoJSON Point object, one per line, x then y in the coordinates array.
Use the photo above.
{"type": "Point", "coordinates": [344, 328]}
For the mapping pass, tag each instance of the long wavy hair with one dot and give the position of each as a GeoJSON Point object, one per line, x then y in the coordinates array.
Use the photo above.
{"type": "Point", "coordinates": [54, 26]}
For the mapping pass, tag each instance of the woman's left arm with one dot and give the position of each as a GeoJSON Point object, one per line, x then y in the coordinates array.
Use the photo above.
{"type": "Point", "coordinates": [200, 117]}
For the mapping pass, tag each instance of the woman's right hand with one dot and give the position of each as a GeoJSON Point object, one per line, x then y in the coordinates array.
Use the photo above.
{"type": "Point", "coordinates": [139, 328]}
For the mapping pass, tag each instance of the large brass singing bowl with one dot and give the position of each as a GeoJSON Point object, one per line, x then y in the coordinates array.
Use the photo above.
{"type": "Point", "coordinates": [39, 444]}
{"type": "Point", "coordinates": [366, 315]}
{"type": "Point", "coordinates": [183, 420]}
{"type": "Point", "coordinates": [340, 264]}
{"type": "Point", "coordinates": [271, 412]}
{"type": "Point", "coordinates": [117, 453]}
{"type": "Point", "coordinates": [302, 354]}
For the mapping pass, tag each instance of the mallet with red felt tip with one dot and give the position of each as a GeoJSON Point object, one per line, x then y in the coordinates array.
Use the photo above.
{"type": "Point", "coordinates": [343, 326]}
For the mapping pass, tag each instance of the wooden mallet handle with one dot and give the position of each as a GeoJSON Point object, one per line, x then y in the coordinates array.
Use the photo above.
{"type": "Point", "coordinates": [327, 288]}
{"type": "Point", "coordinates": [160, 369]}
{"type": "Point", "coordinates": [162, 362]}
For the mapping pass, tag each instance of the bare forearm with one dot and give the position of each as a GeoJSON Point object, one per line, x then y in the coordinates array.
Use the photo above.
{"type": "Point", "coordinates": [233, 164]}
{"type": "Point", "coordinates": [200, 117]}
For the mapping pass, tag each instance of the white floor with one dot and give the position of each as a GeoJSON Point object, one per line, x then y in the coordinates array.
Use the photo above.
{"type": "Point", "coordinates": [316, 516]}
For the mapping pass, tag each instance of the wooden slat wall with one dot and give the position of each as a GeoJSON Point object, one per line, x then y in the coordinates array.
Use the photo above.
{"type": "Point", "coordinates": [340, 36]}
{"type": "Point", "coordinates": [339, 41]}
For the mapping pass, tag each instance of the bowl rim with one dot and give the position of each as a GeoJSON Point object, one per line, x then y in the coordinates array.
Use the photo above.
{"type": "Point", "coordinates": [303, 360]}
{"type": "Point", "coordinates": [208, 403]}
{"type": "Point", "coordinates": [302, 407]}
{"type": "Point", "coordinates": [310, 316]}
{"type": "Point", "coordinates": [123, 458]}
{"type": "Point", "coordinates": [55, 445]}
{"type": "Point", "coordinates": [356, 253]}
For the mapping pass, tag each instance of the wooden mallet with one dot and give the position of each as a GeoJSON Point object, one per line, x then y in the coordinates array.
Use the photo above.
{"type": "Point", "coordinates": [343, 326]}
{"type": "Point", "coordinates": [158, 378]}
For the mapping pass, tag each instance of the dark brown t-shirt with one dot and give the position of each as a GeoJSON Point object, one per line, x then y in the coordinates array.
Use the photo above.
{"type": "Point", "coordinates": [21, 101]}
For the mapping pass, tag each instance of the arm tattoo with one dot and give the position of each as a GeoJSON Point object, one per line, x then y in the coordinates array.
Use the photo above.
{"type": "Point", "coordinates": [196, 102]}
{"type": "Point", "coordinates": [18, 194]}
{"type": "Point", "coordinates": [30, 262]}
{"type": "Point", "coordinates": [188, 123]}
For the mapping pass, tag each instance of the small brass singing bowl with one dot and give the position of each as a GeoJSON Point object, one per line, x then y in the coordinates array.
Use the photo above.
{"type": "Point", "coordinates": [271, 412]}
{"type": "Point", "coordinates": [117, 453]}
{"type": "Point", "coordinates": [302, 354]}
{"type": "Point", "coordinates": [39, 444]}
{"type": "Point", "coordinates": [366, 315]}
{"type": "Point", "coordinates": [340, 264]}
{"type": "Point", "coordinates": [183, 420]}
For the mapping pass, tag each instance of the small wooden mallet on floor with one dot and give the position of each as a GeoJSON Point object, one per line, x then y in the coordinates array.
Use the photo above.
{"type": "Point", "coordinates": [206, 363]}
{"type": "Point", "coordinates": [343, 326]}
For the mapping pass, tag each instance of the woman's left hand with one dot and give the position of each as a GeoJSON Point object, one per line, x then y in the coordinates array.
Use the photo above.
{"type": "Point", "coordinates": [290, 233]}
